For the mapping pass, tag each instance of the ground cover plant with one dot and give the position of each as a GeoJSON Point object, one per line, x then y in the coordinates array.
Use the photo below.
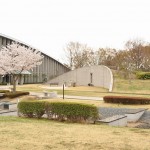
{"type": "Point", "coordinates": [24, 133]}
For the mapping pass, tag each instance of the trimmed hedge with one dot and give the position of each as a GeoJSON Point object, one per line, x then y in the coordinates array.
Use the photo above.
{"type": "Point", "coordinates": [62, 111]}
{"type": "Point", "coordinates": [32, 108]}
{"type": "Point", "coordinates": [15, 94]}
{"type": "Point", "coordinates": [4, 91]}
{"type": "Point", "coordinates": [143, 75]}
{"type": "Point", "coordinates": [74, 112]}
{"type": "Point", "coordinates": [126, 100]}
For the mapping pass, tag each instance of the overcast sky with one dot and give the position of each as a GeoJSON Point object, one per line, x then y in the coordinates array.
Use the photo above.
{"type": "Point", "coordinates": [50, 24]}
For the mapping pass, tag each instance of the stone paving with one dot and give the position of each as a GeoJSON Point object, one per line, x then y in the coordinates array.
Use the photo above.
{"type": "Point", "coordinates": [108, 112]}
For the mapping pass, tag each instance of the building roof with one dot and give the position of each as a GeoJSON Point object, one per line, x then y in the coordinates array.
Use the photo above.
{"type": "Point", "coordinates": [13, 39]}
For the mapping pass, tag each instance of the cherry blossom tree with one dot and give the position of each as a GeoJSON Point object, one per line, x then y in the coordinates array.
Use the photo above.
{"type": "Point", "coordinates": [17, 58]}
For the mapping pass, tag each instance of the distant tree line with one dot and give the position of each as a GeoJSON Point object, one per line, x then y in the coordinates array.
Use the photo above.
{"type": "Point", "coordinates": [134, 57]}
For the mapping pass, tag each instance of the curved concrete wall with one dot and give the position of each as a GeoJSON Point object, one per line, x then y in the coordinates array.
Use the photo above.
{"type": "Point", "coordinates": [100, 76]}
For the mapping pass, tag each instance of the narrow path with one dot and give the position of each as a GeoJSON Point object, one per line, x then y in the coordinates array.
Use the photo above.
{"type": "Point", "coordinates": [70, 96]}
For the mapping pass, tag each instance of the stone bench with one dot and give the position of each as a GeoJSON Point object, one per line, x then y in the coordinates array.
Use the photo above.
{"type": "Point", "coordinates": [7, 106]}
{"type": "Point", "coordinates": [55, 83]}
{"type": "Point", "coordinates": [50, 94]}
{"type": "Point", "coordinates": [2, 94]}
{"type": "Point", "coordinates": [135, 115]}
{"type": "Point", "coordinates": [117, 120]}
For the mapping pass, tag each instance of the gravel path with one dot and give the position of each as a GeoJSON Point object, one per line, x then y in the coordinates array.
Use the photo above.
{"type": "Point", "coordinates": [40, 94]}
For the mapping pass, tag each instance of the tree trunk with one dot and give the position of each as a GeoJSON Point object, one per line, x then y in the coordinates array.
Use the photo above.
{"type": "Point", "coordinates": [14, 83]}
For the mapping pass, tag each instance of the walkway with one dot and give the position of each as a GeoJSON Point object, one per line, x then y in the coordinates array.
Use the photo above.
{"type": "Point", "coordinates": [70, 96]}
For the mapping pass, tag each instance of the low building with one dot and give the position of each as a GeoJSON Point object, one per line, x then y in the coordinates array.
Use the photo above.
{"type": "Point", "coordinates": [49, 68]}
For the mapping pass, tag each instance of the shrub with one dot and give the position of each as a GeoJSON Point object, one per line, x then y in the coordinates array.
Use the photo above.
{"type": "Point", "coordinates": [2, 96]}
{"type": "Point", "coordinates": [32, 108]}
{"type": "Point", "coordinates": [143, 75]}
{"type": "Point", "coordinates": [126, 100]}
{"type": "Point", "coordinates": [4, 91]}
{"type": "Point", "coordinates": [90, 84]}
{"type": "Point", "coordinates": [74, 112]}
{"type": "Point", "coordinates": [15, 94]}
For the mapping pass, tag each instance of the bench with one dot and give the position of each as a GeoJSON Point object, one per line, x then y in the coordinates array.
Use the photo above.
{"type": "Point", "coordinates": [117, 120]}
{"type": "Point", "coordinates": [2, 94]}
{"type": "Point", "coordinates": [55, 83]}
{"type": "Point", "coordinates": [50, 94]}
{"type": "Point", "coordinates": [8, 106]}
{"type": "Point", "coordinates": [135, 115]}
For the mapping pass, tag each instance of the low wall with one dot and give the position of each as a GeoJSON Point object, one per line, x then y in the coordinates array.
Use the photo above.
{"type": "Point", "coordinates": [100, 76]}
{"type": "Point", "coordinates": [135, 116]}
{"type": "Point", "coordinates": [118, 120]}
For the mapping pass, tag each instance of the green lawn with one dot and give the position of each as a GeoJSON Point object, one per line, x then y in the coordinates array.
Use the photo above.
{"type": "Point", "coordinates": [34, 134]}
{"type": "Point", "coordinates": [135, 86]}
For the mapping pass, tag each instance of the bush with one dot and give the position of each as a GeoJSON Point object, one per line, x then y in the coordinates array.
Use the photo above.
{"type": "Point", "coordinates": [73, 112]}
{"type": "Point", "coordinates": [4, 91]}
{"type": "Point", "coordinates": [2, 96]}
{"type": "Point", "coordinates": [32, 108]}
{"type": "Point", "coordinates": [15, 94]}
{"type": "Point", "coordinates": [143, 75]}
{"type": "Point", "coordinates": [90, 84]}
{"type": "Point", "coordinates": [126, 100]}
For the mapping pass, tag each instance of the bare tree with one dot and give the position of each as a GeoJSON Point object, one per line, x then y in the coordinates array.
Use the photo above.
{"type": "Point", "coordinates": [79, 55]}
{"type": "Point", "coordinates": [134, 49]}
{"type": "Point", "coordinates": [106, 56]}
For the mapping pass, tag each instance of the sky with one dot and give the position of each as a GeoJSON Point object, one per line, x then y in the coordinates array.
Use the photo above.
{"type": "Point", "coordinates": [49, 25]}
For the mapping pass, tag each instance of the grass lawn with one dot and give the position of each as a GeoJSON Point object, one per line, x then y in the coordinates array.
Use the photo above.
{"type": "Point", "coordinates": [101, 103]}
{"type": "Point", "coordinates": [121, 87]}
{"type": "Point", "coordinates": [92, 102]}
{"type": "Point", "coordinates": [23, 133]}
{"type": "Point", "coordinates": [135, 86]}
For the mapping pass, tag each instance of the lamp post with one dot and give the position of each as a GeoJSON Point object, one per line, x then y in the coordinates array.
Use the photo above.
{"type": "Point", "coordinates": [63, 91]}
